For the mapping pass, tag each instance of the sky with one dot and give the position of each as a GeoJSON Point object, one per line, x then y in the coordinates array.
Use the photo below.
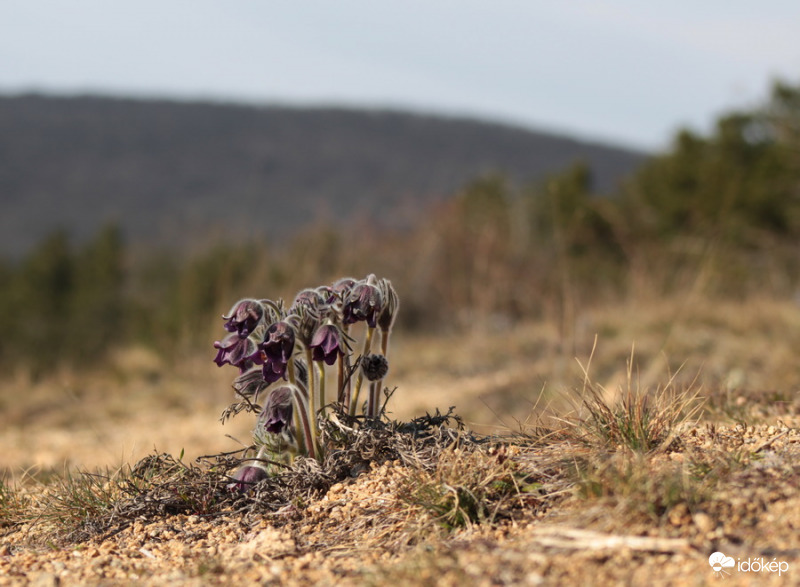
{"type": "Point", "coordinates": [623, 71]}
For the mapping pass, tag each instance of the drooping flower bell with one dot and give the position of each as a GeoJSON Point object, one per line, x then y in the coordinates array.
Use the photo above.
{"type": "Point", "coordinates": [250, 383]}
{"type": "Point", "coordinates": [246, 478]}
{"type": "Point", "coordinates": [391, 303]}
{"type": "Point", "coordinates": [276, 351]}
{"type": "Point", "coordinates": [244, 317]}
{"type": "Point", "coordinates": [343, 286]}
{"type": "Point", "coordinates": [235, 351]}
{"type": "Point", "coordinates": [310, 298]}
{"type": "Point", "coordinates": [327, 344]}
{"type": "Point", "coordinates": [362, 303]}
{"type": "Point", "coordinates": [276, 417]}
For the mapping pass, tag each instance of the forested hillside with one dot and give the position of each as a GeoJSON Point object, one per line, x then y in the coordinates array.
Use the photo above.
{"type": "Point", "coordinates": [175, 173]}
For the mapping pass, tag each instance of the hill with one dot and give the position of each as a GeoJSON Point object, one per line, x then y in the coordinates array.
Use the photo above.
{"type": "Point", "coordinates": [175, 172]}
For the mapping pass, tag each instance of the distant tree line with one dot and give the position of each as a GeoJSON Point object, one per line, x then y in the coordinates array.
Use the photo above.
{"type": "Point", "coordinates": [718, 213]}
{"type": "Point", "coordinates": [61, 304]}
{"type": "Point", "coordinates": [168, 171]}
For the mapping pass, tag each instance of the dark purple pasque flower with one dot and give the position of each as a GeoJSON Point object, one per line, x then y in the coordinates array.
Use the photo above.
{"type": "Point", "coordinates": [250, 383]}
{"type": "Point", "coordinates": [327, 344]}
{"type": "Point", "coordinates": [276, 351]}
{"type": "Point", "coordinates": [327, 294]}
{"type": "Point", "coordinates": [390, 305]}
{"type": "Point", "coordinates": [343, 286]}
{"type": "Point", "coordinates": [362, 303]}
{"type": "Point", "coordinates": [308, 297]}
{"type": "Point", "coordinates": [276, 417]}
{"type": "Point", "coordinates": [235, 351]}
{"type": "Point", "coordinates": [246, 477]}
{"type": "Point", "coordinates": [244, 316]}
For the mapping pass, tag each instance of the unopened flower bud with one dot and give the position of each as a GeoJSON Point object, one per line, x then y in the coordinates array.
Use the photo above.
{"type": "Point", "coordinates": [243, 317]}
{"type": "Point", "coordinates": [305, 321]}
{"type": "Point", "coordinates": [343, 286]}
{"type": "Point", "coordinates": [307, 297]}
{"type": "Point", "coordinates": [327, 294]}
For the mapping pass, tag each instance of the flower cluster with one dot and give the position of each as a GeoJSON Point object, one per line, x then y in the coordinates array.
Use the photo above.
{"type": "Point", "coordinates": [288, 356]}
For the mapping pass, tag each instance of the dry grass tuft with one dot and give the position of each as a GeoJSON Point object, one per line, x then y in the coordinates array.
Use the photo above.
{"type": "Point", "coordinates": [637, 419]}
{"type": "Point", "coordinates": [470, 486]}
{"type": "Point", "coordinates": [637, 486]}
{"type": "Point", "coordinates": [76, 506]}
{"type": "Point", "coordinates": [13, 504]}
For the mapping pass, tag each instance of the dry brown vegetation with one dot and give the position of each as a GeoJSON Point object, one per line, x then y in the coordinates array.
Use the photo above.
{"type": "Point", "coordinates": [623, 372]}
{"type": "Point", "coordinates": [673, 435]}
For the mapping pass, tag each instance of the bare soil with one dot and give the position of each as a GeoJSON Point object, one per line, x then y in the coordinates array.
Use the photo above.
{"type": "Point", "coordinates": [580, 513]}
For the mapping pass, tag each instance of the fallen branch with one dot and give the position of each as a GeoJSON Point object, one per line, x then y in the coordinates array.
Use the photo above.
{"type": "Point", "coordinates": [576, 539]}
{"type": "Point", "coordinates": [768, 443]}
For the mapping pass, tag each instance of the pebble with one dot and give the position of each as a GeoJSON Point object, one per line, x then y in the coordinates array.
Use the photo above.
{"type": "Point", "coordinates": [704, 522]}
{"type": "Point", "coordinates": [362, 532]}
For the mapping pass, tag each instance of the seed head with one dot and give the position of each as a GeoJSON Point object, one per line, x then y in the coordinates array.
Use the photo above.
{"type": "Point", "coordinates": [374, 366]}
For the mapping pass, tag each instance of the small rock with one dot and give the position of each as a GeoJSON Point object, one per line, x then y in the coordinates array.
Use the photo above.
{"type": "Point", "coordinates": [46, 580]}
{"type": "Point", "coordinates": [678, 515]}
{"type": "Point", "coordinates": [704, 522]}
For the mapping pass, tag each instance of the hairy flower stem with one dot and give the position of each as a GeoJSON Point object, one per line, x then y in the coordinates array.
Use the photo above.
{"type": "Point", "coordinates": [372, 406]}
{"type": "Point", "coordinates": [343, 367]}
{"type": "Point", "coordinates": [300, 420]}
{"type": "Point", "coordinates": [385, 342]}
{"type": "Point", "coordinates": [261, 454]}
{"type": "Point", "coordinates": [291, 372]}
{"type": "Point", "coordinates": [360, 375]}
{"type": "Point", "coordinates": [384, 351]}
{"type": "Point", "coordinates": [301, 408]}
{"type": "Point", "coordinates": [321, 368]}
{"type": "Point", "coordinates": [341, 395]}
{"type": "Point", "coordinates": [312, 408]}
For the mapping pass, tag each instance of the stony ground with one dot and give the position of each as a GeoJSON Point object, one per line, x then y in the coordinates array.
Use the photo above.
{"type": "Point", "coordinates": [632, 519]}
{"type": "Point", "coordinates": [560, 506]}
